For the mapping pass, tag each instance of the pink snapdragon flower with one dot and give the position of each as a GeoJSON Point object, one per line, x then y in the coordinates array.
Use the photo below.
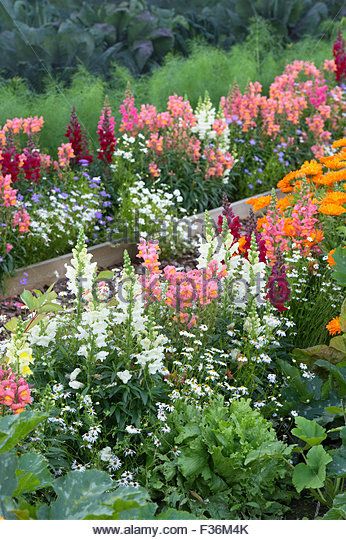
{"type": "Point", "coordinates": [14, 391]}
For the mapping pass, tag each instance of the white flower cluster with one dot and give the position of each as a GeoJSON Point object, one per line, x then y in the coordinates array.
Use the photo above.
{"type": "Point", "coordinates": [81, 273]}
{"type": "Point", "coordinates": [61, 214]}
{"type": "Point", "coordinates": [113, 462]}
{"type": "Point", "coordinates": [206, 115]}
{"type": "Point", "coordinates": [92, 334]}
{"type": "Point", "coordinates": [152, 354]}
{"type": "Point", "coordinates": [43, 333]}
{"type": "Point", "coordinates": [151, 211]}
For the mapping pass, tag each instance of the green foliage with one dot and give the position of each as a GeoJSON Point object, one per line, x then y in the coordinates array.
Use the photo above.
{"type": "Point", "coordinates": [338, 511]}
{"type": "Point", "coordinates": [322, 472]}
{"type": "Point", "coordinates": [89, 494]}
{"type": "Point", "coordinates": [13, 429]}
{"type": "Point", "coordinates": [339, 273]}
{"type": "Point", "coordinates": [309, 432]}
{"type": "Point", "coordinates": [311, 474]}
{"type": "Point", "coordinates": [39, 38]}
{"type": "Point", "coordinates": [229, 464]}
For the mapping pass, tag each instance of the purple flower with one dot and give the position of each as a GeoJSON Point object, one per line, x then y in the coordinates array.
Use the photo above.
{"type": "Point", "coordinates": [84, 162]}
{"type": "Point", "coordinates": [56, 190]}
{"type": "Point", "coordinates": [259, 170]}
{"type": "Point", "coordinates": [86, 175]}
{"type": "Point", "coordinates": [106, 204]}
{"type": "Point", "coordinates": [251, 186]}
{"type": "Point", "coordinates": [24, 279]}
{"type": "Point", "coordinates": [20, 197]}
{"type": "Point", "coordinates": [252, 142]}
{"type": "Point", "coordinates": [64, 196]}
{"type": "Point", "coordinates": [98, 215]}
{"type": "Point", "coordinates": [36, 197]}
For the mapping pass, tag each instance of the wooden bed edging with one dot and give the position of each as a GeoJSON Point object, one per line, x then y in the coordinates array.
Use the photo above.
{"type": "Point", "coordinates": [107, 254]}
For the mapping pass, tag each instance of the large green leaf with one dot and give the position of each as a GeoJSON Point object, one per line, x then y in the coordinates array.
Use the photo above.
{"type": "Point", "coordinates": [14, 428]}
{"type": "Point", "coordinates": [81, 494]}
{"type": "Point", "coordinates": [338, 466]}
{"type": "Point", "coordinates": [339, 508]}
{"type": "Point", "coordinates": [338, 373]}
{"type": "Point", "coordinates": [268, 450]}
{"type": "Point", "coordinates": [32, 473]}
{"type": "Point", "coordinates": [318, 352]}
{"type": "Point", "coordinates": [309, 431]}
{"type": "Point", "coordinates": [193, 459]}
{"type": "Point", "coordinates": [339, 273]}
{"type": "Point", "coordinates": [8, 479]}
{"type": "Point", "coordinates": [313, 473]}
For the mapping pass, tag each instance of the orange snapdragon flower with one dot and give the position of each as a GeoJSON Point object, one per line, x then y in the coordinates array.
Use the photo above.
{"type": "Point", "coordinates": [330, 257]}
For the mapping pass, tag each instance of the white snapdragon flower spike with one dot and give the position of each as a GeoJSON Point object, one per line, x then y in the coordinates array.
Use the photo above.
{"type": "Point", "coordinates": [43, 334]}
{"type": "Point", "coordinates": [218, 248]}
{"type": "Point", "coordinates": [130, 306]}
{"type": "Point", "coordinates": [93, 332]}
{"type": "Point", "coordinates": [153, 354]}
{"type": "Point", "coordinates": [205, 114]}
{"type": "Point", "coordinates": [81, 273]}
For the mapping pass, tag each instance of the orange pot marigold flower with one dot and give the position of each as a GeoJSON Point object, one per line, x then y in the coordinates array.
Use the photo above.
{"type": "Point", "coordinates": [310, 168]}
{"type": "Point", "coordinates": [334, 326]}
{"type": "Point", "coordinates": [285, 184]}
{"type": "Point", "coordinates": [332, 177]}
{"type": "Point", "coordinates": [334, 162]}
{"type": "Point", "coordinates": [331, 209]}
{"type": "Point", "coordinates": [289, 228]}
{"type": "Point", "coordinates": [242, 242]}
{"type": "Point", "coordinates": [284, 203]}
{"type": "Point", "coordinates": [336, 197]}
{"type": "Point", "coordinates": [258, 203]}
{"type": "Point", "coordinates": [339, 143]}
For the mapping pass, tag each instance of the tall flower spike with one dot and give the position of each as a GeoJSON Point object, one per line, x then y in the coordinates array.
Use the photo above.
{"type": "Point", "coordinates": [77, 138]}
{"type": "Point", "coordinates": [277, 286]}
{"type": "Point", "coordinates": [339, 52]}
{"type": "Point", "coordinates": [105, 131]}
{"type": "Point", "coordinates": [233, 221]}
